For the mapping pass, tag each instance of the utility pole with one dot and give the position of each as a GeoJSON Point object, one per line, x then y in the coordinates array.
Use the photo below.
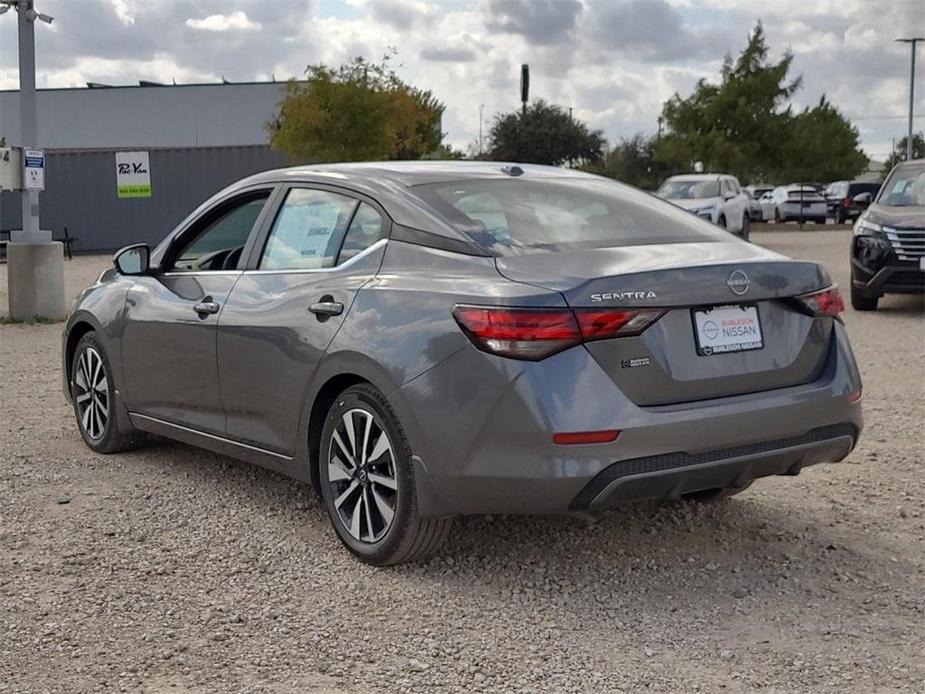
{"type": "Point", "coordinates": [911, 42]}
{"type": "Point", "coordinates": [35, 263]}
{"type": "Point", "coordinates": [481, 110]}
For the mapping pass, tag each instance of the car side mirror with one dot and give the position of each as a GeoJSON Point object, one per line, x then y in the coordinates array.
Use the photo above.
{"type": "Point", "coordinates": [133, 260]}
{"type": "Point", "coordinates": [863, 198]}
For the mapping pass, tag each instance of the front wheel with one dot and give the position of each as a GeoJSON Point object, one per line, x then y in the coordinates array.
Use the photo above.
{"type": "Point", "coordinates": [367, 482]}
{"type": "Point", "coordinates": [92, 391]}
{"type": "Point", "coordinates": [721, 222]}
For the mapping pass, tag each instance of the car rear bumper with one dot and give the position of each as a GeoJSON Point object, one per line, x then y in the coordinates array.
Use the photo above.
{"type": "Point", "coordinates": [669, 476]}
{"type": "Point", "coordinates": [791, 211]}
{"type": "Point", "coordinates": [503, 460]}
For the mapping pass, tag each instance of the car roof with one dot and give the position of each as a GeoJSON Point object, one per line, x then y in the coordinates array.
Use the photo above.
{"type": "Point", "coordinates": [696, 177]}
{"type": "Point", "coordinates": [411, 173]}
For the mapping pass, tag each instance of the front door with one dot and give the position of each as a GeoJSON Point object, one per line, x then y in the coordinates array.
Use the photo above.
{"type": "Point", "coordinates": [169, 343]}
{"type": "Point", "coordinates": [287, 307]}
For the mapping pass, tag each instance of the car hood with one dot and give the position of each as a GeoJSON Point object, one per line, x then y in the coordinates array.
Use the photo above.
{"type": "Point", "coordinates": [899, 217]}
{"type": "Point", "coordinates": [694, 203]}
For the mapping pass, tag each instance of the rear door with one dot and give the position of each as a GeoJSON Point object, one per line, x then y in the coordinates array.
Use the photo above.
{"type": "Point", "coordinates": [323, 244]}
{"type": "Point", "coordinates": [169, 343]}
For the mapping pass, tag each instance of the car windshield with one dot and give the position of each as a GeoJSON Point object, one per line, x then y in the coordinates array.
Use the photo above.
{"type": "Point", "coordinates": [516, 216]}
{"type": "Point", "coordinates": [674, 189]}
{"type": "Point", "coordinates": [905, 187]}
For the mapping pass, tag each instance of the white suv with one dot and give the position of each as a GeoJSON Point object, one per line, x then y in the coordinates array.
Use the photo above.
{"type": "Point", "coordinates": [716, 197]}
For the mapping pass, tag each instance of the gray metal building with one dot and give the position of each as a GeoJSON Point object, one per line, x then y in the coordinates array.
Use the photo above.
{"type": "Point", "coordinates": [199, 139]}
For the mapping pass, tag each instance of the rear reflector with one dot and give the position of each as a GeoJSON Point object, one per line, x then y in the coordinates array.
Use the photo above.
{"type": "Point", "coordinates": [536, 333]}
{"type": "Point", "coordinates": [580, 437]}
{"type": "Point", "coordinates": [828, 302]}
{"type": "Point", "coordinates": [855, 396]}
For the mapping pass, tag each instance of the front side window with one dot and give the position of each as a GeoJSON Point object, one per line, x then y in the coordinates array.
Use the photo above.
{"type": "Point", "coordinates": [308, 230]}
{"type": "Point", "coordinates": [217, 242]}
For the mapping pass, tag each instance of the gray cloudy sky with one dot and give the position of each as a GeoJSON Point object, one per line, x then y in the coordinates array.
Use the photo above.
{"type": "Point", "coordinates": [613, 61]}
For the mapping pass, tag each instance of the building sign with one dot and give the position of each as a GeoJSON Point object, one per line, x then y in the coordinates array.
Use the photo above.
{"type": "Point", "coordinates": [33, 163]}
{"type": "Point", "coordinates": [133, 175]}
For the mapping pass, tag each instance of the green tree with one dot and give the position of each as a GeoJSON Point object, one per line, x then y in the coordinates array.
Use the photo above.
{"type": "Point", "coordinates": [359, 111]}
{"type": "Point", "coordinates": [735, 126]}
{"type": "Point", "coordinates": [544, 134]}
{"type": "Point", "coordinates": [820, 145]}
{"type": "Point", "coordinates": [899, 152]}
{"type": "Point", "coordinates": [633, 161]}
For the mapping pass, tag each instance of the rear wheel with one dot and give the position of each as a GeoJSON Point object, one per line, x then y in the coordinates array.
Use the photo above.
{"type": "Point", "coordinates": [92, 392]}
{"type": "Point", "coordinates": [746, 227]}
{"type": "Point", "coordinates": [367, 482]}
{"type": "Point", "coordinates": [707, 496]}
{"type": "Point", "coordinates": [777, 215]}
{"type": "Point", "coordinates": [721, 221]}
{"type": "Point", "coordinates": [862, 302]}
{"type": "Point", "coordinates": [840, 216]}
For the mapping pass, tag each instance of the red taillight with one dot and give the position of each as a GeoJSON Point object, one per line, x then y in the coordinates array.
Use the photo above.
{"type": "Point", "coordinates": [531, 333]}
{"type": "Point", "coordinates": [600, 324]}
{"type": "Point", "coordinates": [522, 333]}
{"type": "Point", "coordinates": [828, 302]}
{"type": "Point", "coordinates": [573, 438]}
{"type": "Point", "coordinates": [855, 396]}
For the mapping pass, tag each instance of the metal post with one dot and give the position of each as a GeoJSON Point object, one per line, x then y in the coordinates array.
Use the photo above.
{"type": "Point", "coordinates": [481, 109]}
{"type": "Point", "coordinates": [912, 42]}
{"type": "Point", "coordinates": [911, 103]}
{"type": "Point", "coordinates": [27, 117]}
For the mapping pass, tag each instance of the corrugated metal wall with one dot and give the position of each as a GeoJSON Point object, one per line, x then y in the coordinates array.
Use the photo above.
{"type": "Point", "coordinates": [80, 192]}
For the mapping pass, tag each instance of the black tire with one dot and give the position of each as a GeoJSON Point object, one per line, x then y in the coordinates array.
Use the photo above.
{"type": "Point", "coordinates": [819, 220]}
{"type": "Point", "coordinates": [721, 221]}
{"type": "Point", "coordinates": [95, 407]}
{"type": "Point", "coordinates": [840, 216]}
{"type": "Point", "coordinates": [406, 536]}
{"type": "Point", "coordinates": [746, 228]}
{"type": "Point", "coordinates": [777, 218]}
{"type": "Point", "coordinates": [709, 496]}
{"type": "Point", "coordinates": [862, 302]}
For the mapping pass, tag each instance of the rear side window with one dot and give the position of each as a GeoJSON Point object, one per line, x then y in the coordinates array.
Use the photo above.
{"type": "Point", "coordinates": [513, 216]}
{"type": "Point", "coordinates": [367, 227]}
{"type": "Point", "coordinates": [308, 230]}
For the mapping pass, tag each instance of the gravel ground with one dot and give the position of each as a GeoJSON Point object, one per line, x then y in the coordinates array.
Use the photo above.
{"type": "Point", "coordinates": [174, 570]}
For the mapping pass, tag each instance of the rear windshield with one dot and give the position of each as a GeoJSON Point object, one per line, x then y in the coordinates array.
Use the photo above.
{"type": "Point", "coordinates": [509, 217]}
{"type": "Point", "coordinates": [905, 187]}
{"type": "Point", "coordinates": [871, 188]}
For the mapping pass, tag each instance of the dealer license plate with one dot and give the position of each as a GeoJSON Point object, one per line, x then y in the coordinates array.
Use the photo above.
{"type": "Point", "coordinates": [724, 329]}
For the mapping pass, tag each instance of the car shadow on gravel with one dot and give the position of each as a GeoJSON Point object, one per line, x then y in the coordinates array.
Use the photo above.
{"type": "Point", "coordinates": [753, 546]}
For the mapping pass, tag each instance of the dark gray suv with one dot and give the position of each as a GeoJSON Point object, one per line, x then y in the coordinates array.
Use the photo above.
{"type": "Point", "coordinates": [422, 340]}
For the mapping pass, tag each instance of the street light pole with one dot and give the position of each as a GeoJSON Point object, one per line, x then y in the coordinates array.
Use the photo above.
{"type": "Point", "coordinates": [35, 263]}
{"type": "Point", "coordinates": [911, 42]}
{"type": "Point", "coordinates": [27, 116]}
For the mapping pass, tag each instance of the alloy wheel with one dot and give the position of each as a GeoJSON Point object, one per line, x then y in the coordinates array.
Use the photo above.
{"type": "Point", "coordinates": [361, 475]}
{"type": "Point", "coordinates": [91, 393]}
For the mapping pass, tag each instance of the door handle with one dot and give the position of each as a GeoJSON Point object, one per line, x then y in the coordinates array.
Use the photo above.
{"type": "Point", "coordinates": [327, 308]}
{"type": "Point", "coordinates": [206, 307]}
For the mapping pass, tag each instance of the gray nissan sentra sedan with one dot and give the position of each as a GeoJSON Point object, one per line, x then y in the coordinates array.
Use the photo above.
{"type": "Point", "coordinates": [426, 339]}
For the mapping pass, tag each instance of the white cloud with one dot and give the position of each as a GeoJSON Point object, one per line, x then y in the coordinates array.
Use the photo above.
{"type": "Point", "coordinates": [236, 21]}
{"type": "Point", "coordinates": [614, 61]}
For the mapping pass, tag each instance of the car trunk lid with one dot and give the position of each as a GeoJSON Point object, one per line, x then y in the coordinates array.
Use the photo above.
{"type": "Point", "coordinates": [667, 363]}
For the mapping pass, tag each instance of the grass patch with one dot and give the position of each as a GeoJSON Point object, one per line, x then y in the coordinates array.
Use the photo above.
{"type": "Point", "coordinates": [35, 320]}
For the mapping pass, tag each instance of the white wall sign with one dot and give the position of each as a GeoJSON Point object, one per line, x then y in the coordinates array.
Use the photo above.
{"type": "Point", "coordinates": [133, 175]}
{"type": "Point", "coordinates": [33, 164]}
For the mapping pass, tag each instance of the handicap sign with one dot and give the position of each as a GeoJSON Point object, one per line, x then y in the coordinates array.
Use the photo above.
{"type": "Point", "coordinates": [33, 161]}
